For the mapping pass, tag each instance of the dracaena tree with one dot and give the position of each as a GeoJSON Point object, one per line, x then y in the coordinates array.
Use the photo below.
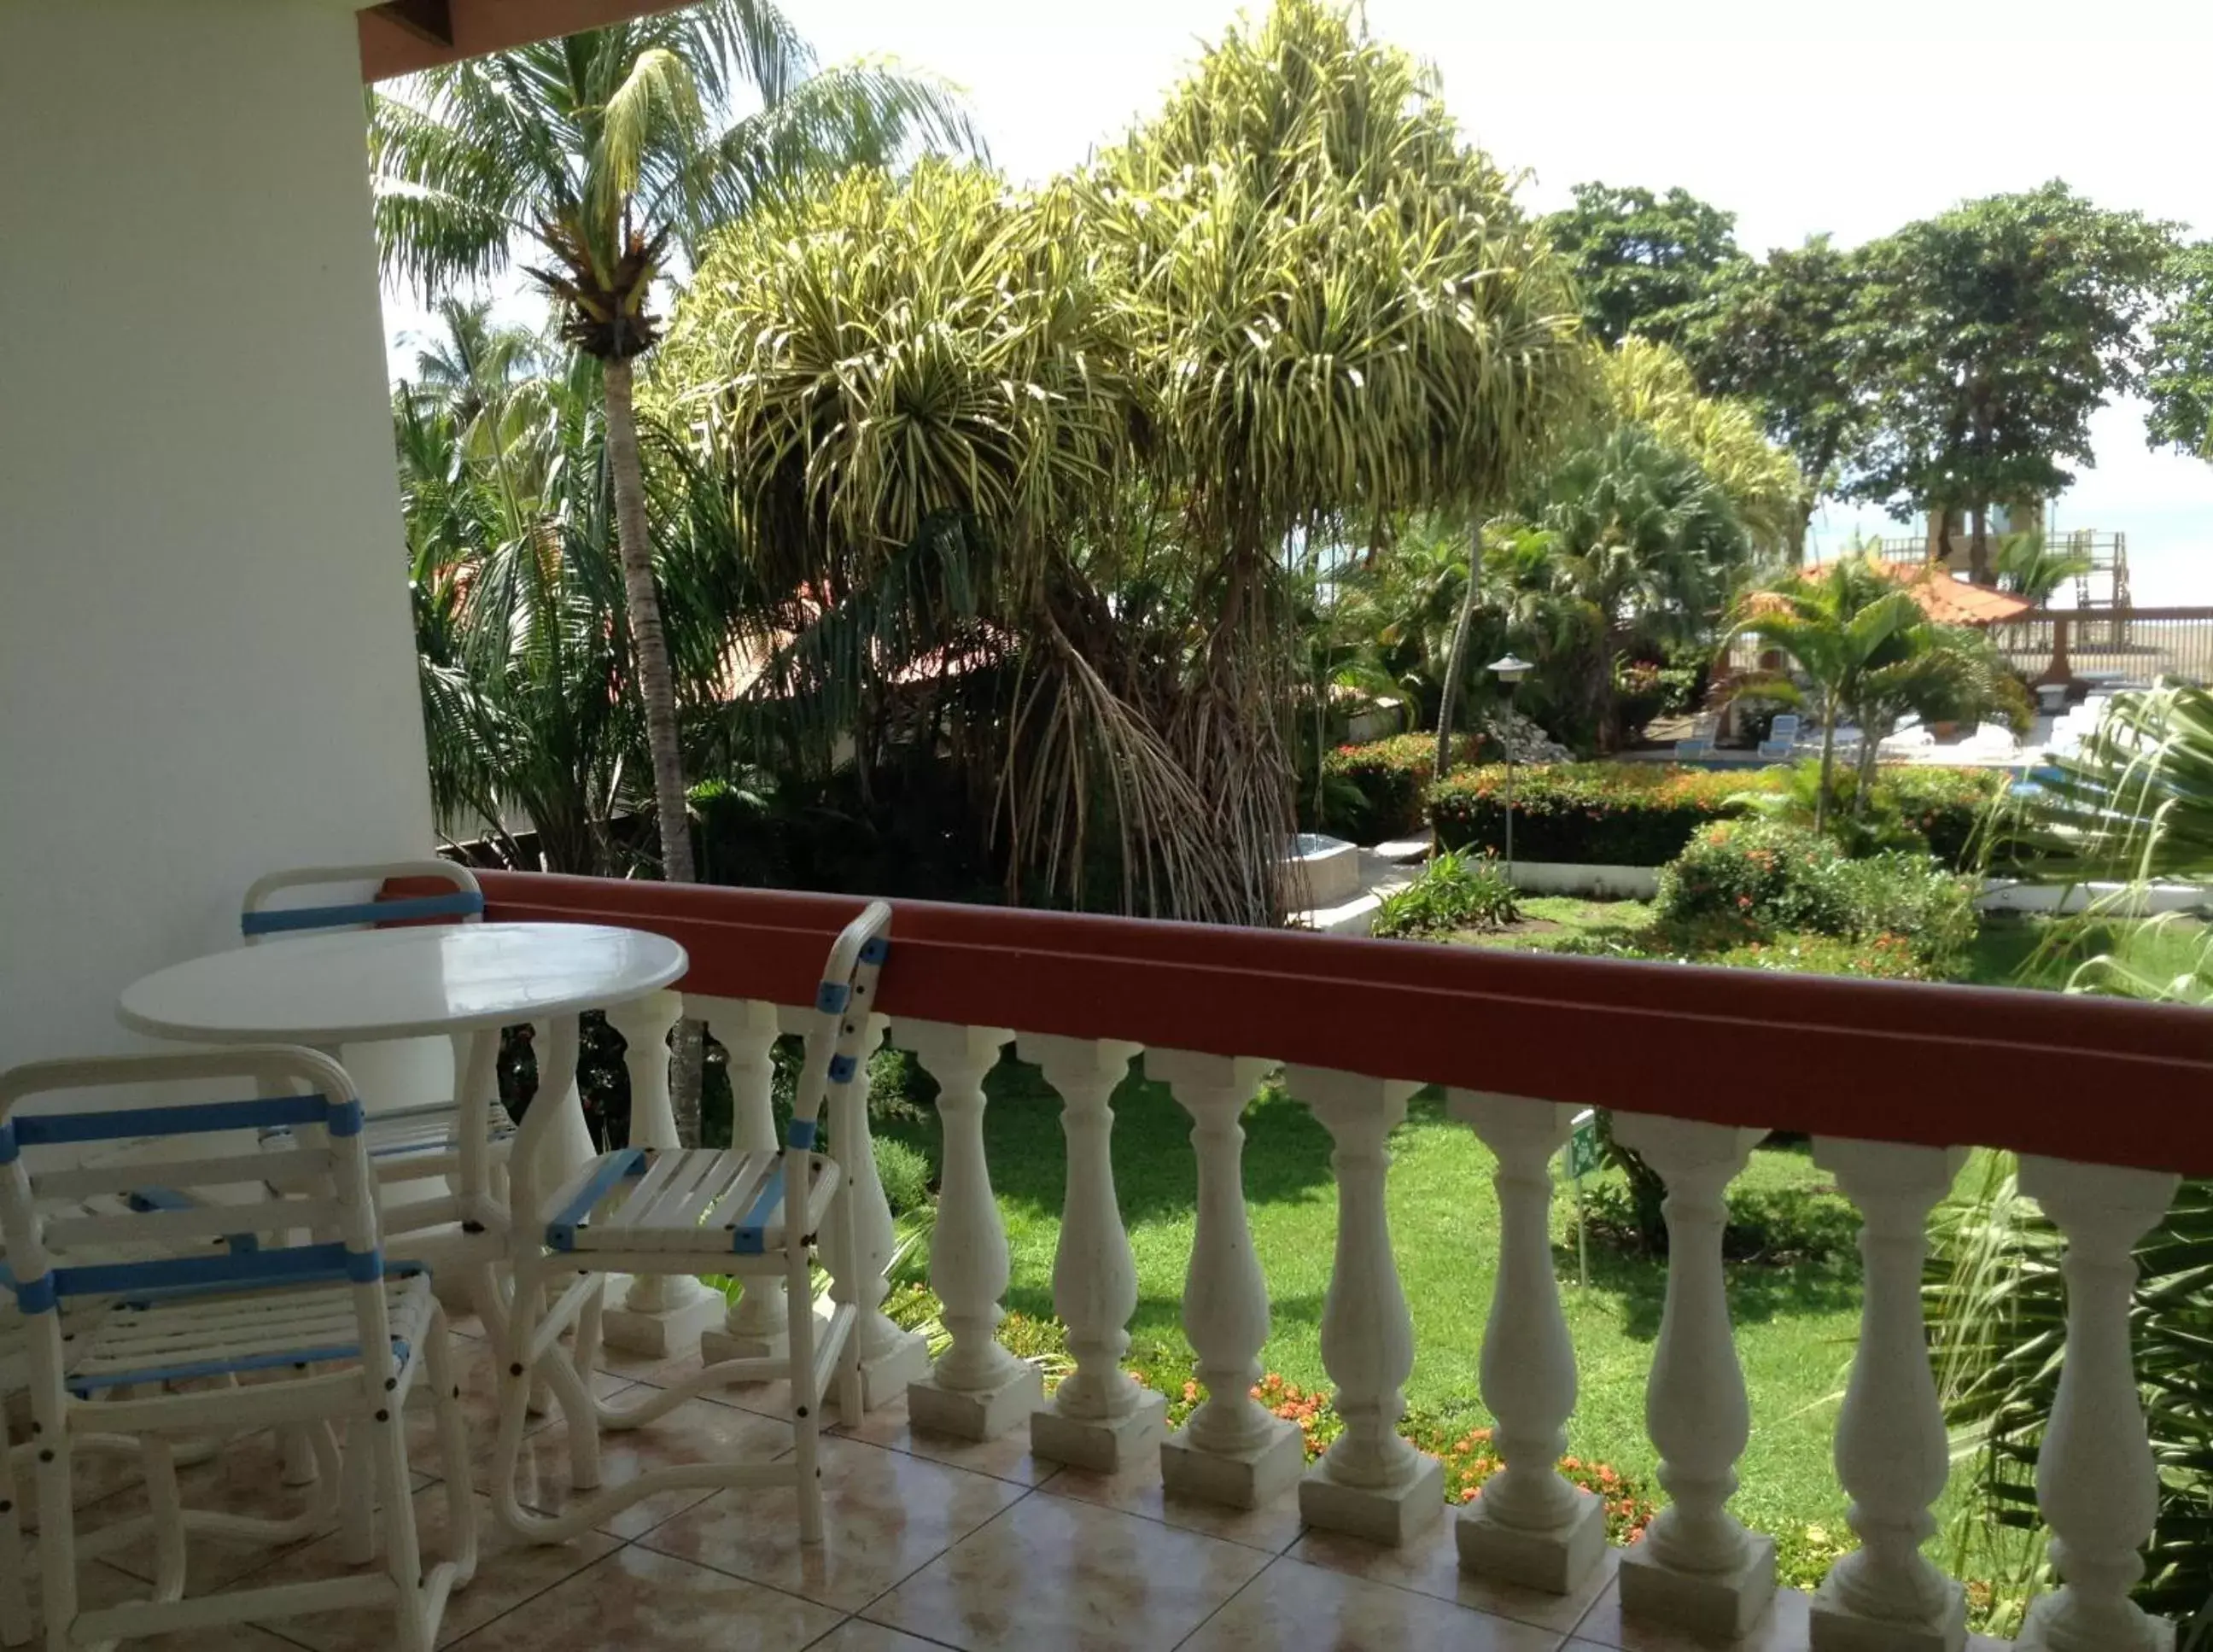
{"type": "Point", "coordinates": [597, 161]}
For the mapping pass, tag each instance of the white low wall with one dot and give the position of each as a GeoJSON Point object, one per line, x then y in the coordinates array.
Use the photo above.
{"type": "Point", "coordinates": [1594, 881]}
{"type": "Point", "coordinates": [2000, 895]}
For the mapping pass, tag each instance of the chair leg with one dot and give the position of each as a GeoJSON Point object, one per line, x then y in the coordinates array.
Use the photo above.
{"type": "Point", "coordinates": [14, 1606]}
{"type": "Point", "coordinates": [56, 1542]}
{"type": "Point", "coordinates": [167, 1511]}
{"type": "Point", "coordinates": [357, 1496]}
{"type": "Point", "coordinates": [806, 1402]}
{"type": "Point", "coordinates": [453, 1447]}
{"type": "Point", "coordinates": [385, 1443]}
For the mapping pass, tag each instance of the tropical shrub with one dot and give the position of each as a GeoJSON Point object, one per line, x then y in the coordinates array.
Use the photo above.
{"type": "Point", "coordinates": [1384, 781]}
{"type": "Point", "coordinates": [1452, 892]}
{"type": "Point", "coordinates": [1751, 873]}
{"type": "Point", "coordinates": [1604, 814]}
{"type": "Point", "coordinates": [905, 1173]}
{"type": "Point", "coordinates": [1741, 884]}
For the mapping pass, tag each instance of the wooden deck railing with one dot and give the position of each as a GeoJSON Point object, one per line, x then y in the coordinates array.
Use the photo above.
{"type": "Point", "coordinates": [2106, 1100]}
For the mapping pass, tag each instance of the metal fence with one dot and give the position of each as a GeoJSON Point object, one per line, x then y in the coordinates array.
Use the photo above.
{"type": "Point", "coordinates": [2121, 646]}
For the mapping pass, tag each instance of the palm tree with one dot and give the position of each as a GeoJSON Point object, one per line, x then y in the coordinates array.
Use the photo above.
{"type": "Point", "coordinates": [518, 600]}
{"type": "Point", "coordinates": [2028, 565]}
{"type": "Point", "coordinates": [1644, 543]}
{"type": "Point", "coordinates": [608, 152]}
{"type": "Point", "coordinates": [1838, 624]}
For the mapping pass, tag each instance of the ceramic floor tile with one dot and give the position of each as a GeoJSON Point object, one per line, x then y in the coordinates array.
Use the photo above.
{"type": "Point", "coordinates": [1292, 1605]}
{"type": "Point", "coordinates": [1781, 1627]}
{"type": "Point", "coordinates": [509, 1571]}
{"type": "Point", "coordinates": [479, 1386]}
{"type": "Point", "coordinates": [1430, 1565]}
{"type": "Point", "coordinates": [1053, 1573]}
{"type": "Point", "coordinates": [859, 1634]}
{"type": "Point", "coordinates": [1007, 1458]}
{"type": "Point", "coordinates": [100, 1585]}
{"type": "Point", "coordinates": [243, 1476]}
{"type": "Point", "coordinates": [637, 1601]}
{"type": "Point", "coordinates": [886, 1514]}
{"type": "Point", "coordinates": [694, 1432]}
{"type": "Point", "coordinates": [1274, 1527]}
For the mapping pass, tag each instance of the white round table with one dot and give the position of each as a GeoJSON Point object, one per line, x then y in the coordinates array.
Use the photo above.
{"type": "Point", "coordinates": [461, 980]}
{"type": "Point", "coordinates": [359, 985]}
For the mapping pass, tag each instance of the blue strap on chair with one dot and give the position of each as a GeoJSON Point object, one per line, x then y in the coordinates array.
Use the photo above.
{"type": "Point", "coordinates": [59, 1128]}
{"type": "Point", "coordinates": [461, 903]}
{"type": "Point", "coordinates": [561, 1232]}
{"type": "Point", "coordinates": [750, 1237]}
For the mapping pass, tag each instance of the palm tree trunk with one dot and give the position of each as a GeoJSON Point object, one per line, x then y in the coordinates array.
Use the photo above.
{"type": "Point", "coordinates": [657, 683]}
{"type": "Point", "coordinates": [1979, 545]}
{"type": "Point", "coordinates": [1828, 765]}
{"type": "Point", "coordinates": [1456, 661]}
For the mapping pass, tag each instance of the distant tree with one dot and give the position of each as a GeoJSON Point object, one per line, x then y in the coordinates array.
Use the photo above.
{"type": "Point", "coordinates": [2180, 381]}
{"type": "Point", "coordinates": [1644, 546]}
{"type": "Point", "coordinates": [1642, 260]}
{"type": "Point", "coordinates": [1779, 335]}
{"type": "Point", "coordinates": [1989, 335]}
{"type": "Point", "coordinates": [1650, 384]}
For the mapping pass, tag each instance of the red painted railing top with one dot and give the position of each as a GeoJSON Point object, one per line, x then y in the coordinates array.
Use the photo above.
{"type": "Point", "coordinates": [2097, 1080]}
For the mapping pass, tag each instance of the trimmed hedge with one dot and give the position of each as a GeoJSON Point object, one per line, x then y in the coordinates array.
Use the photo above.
{"type": "Point", "coordinates": [1594, 814]}
{"type": "Point", "coordinates": [1647, 813]}
{"type": "Point", "coordinates": [1374, 792]}
{"type": "Point", "coordinates": [1944, 805]}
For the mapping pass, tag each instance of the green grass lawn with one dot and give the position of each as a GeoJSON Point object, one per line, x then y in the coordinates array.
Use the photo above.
{"type": "Point", "coordinates": [1797, 1320]}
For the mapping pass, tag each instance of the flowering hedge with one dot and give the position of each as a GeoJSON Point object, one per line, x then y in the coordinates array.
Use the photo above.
{"type": "Point", "coordinates": [1594, 814]}
{"type": "Point", "coordinates": [1647, 813]}
{"type": "Point", "coordinates": [1373, 792]}
{"type": "Point", "coordinates": [1469, 1454]}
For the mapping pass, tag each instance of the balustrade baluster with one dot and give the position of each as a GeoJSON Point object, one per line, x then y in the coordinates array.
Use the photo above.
{"type": "Point", "coordinates": [1697, 1567]}
{"type": "Point", "coordinates": [1099, 1418]}
{"type": "Point", "coordinates": [1232, 1451]}
{"type": "Point", "coordinates": [890, 1357]}
{"type": "Point", "coordinates": [1892, 1453]}
{"type": "Point", "coordinates": [755, 1325]}
{"type": "Point", "coordinates": [1529, 1526]}
{"type": "Point", "coordinates": [2096, 1482]}
{"type": "Point", "coordinates": [978, 1390]}
{"type": "Point", "coordinates": [661, 1315]}
{"type": "Point", "coordinates": [1370, 1482]}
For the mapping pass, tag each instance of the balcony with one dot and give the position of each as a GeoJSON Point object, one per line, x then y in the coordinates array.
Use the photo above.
{"type": "Point", "coordinates": [957, 1517]}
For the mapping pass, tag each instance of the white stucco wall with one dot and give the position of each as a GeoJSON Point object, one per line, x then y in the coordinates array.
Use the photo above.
{"type": "Point", "coordinates": [206, 666]}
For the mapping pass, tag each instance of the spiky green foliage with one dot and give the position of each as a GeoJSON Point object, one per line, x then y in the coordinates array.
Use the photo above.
{"type": "Point", "coordinates": [1078, 430]}
{"type": "Point", "coordinates": [2134, 805]}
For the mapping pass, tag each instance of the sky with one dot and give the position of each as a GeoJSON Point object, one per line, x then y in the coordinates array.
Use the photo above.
{"type": "Point", "coordinates": [1799, 116]}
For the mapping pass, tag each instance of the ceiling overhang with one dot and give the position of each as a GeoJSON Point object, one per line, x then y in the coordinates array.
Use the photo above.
{"type": "Point", "coordinates": [401, 36]}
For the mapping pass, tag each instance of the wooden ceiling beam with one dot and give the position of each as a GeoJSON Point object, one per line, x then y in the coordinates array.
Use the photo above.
{"type": "Point", "coordinates": [399, 37]}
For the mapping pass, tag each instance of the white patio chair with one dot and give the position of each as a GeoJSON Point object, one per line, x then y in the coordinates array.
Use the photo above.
{"type": "Point", "coordinates": [646, 1210]}
{"type": "Point", "coordinates": [159, 1343]}
{"type": "Point", "coordinates": [1782, 736]}
{"type": "Point", "coordinates": [414, 1141]}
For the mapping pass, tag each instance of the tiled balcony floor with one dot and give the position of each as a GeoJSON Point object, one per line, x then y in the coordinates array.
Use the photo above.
{"type": "Point", "coordinates": [932, 1543]}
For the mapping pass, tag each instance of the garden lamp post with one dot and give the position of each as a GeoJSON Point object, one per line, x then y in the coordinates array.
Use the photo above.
{"type": "Point", "coordinates": [1508, 669]}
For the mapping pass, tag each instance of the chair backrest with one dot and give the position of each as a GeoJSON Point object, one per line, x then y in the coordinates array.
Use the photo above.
{"type": "Point", "coordinates": [257, 919]}
{"type": "Point", "coordinates": [206, 1217]}
{"type": "Point", "coordinates": [1785, 726]}
{"type": "Point", "coordinates": [842, 1003]}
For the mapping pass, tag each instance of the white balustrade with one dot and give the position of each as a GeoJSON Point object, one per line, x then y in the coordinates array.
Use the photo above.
{"type": "Point", "coordinates": [1101, 1417]}
{"type": "Point", "coordinates": [1369, 1482]}
{"type": "Point", "coordinates": [2095, 1478]}
{"type": "Point", "coordinates": [1697, 1567]}
{"type": "Point", "coordinates": [890, 1358]}
{"type": "Point", "coordinates": [977, 1390]}
{"type": "Point", "coordinates": [754, 1326]}
{"type": "Point", "coordinates": [660, 1315]}
{"type": "Point", "coordinates": [1891, 1447]}
{"type": "Point", "coordinates": [1529, 1526]}
{"type": "Point", "coordinates": [1232, 1451]}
